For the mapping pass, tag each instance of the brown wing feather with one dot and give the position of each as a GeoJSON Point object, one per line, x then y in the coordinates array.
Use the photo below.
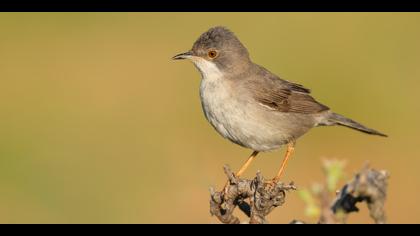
{"type": "Point", "coordinates": [284, 96]}
{"type": "Point", "coordinates": [305, 103]}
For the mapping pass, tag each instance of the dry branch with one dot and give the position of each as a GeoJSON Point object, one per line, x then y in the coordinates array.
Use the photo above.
{"type": "Point", "coordinates": [370, 186]}
{"type": "Point", "coordinates": [256, 198]}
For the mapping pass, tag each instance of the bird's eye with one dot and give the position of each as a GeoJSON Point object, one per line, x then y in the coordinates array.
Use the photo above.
{"type": "Point", "coordinates": [212, 54]}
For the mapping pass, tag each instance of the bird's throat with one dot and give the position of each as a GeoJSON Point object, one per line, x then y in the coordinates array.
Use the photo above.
{"type": "Point", "coordinates": [208, 69]}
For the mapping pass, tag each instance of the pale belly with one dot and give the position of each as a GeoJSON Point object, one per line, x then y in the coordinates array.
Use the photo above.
{"type": "Point", "coordinates": [244, 123]}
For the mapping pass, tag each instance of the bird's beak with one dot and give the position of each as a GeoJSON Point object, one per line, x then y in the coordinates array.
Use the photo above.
{"type": "Point", "coordinates": [182, 56]}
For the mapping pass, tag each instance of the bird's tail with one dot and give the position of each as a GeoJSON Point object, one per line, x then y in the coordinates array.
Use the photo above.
{"type": "Point", "coordinates": [337, 119]}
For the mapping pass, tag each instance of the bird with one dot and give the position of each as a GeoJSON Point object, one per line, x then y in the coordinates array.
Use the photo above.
{"type": "Point", "coordinates": [251, 106]}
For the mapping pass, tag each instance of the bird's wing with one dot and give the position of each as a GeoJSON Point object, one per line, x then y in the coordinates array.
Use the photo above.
{"type": "Point", "coordinates": [284, 96]}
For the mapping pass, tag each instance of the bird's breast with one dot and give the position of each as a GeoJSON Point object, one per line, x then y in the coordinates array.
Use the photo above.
{"type": "Point", "coordinates": [217, 104]}
{"type": "Point", "coordinates": [234, 115]}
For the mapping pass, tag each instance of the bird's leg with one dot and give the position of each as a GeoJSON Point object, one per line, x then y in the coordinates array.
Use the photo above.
{"type": "Point", "coordinates": [244, 167]}
{"type": "Point", "coordinates": [289, 152]}
{"type": "Point", "coordinates": [247, 163]}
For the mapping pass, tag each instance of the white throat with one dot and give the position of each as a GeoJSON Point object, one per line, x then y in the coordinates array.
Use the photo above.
{"type": "Point", "coordinates": [208, 69]}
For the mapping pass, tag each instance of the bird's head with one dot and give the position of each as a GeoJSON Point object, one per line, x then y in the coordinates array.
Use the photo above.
{"type": "Point", "coordinates": [218, 48]}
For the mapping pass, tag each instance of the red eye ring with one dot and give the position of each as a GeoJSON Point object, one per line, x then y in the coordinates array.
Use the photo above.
{"type": "Point", "coordinates": [212, 54]}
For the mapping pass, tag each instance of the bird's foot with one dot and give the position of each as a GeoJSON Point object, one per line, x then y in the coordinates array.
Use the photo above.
{"type": "Point", "coordinates": [272, 183]}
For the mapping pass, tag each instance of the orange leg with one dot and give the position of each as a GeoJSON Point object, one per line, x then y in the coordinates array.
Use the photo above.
{"type": "Point", "coordinates": [244, 167]}
{"type": "Point", "coordinates": [247, 163]}
{"type": "Point", "coordinates": [289, 152]}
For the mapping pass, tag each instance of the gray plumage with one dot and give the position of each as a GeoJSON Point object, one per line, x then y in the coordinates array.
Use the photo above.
{"type": "Point", "coordinates": [248, 104]}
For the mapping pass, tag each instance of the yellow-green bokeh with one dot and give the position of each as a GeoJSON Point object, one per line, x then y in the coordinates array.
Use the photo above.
{"type": "Point", "coordinates": [98, 125]}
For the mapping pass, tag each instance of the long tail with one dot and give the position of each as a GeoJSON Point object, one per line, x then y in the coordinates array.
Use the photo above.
{"type": "Point", "coordinates": [337, 119]}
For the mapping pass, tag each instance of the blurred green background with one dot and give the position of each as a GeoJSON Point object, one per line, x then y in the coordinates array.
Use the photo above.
{"type": "Point", "coordinates": [98, 125]}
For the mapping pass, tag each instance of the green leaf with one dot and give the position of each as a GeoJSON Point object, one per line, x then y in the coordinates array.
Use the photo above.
{"type": "Point", "coordinates": [334, 170]}
{"type": "Point", "coordinates": [312, 209]}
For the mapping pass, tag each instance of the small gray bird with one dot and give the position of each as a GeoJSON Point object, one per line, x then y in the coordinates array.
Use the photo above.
{"type": "Point", "coordinates": [251, 106]}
